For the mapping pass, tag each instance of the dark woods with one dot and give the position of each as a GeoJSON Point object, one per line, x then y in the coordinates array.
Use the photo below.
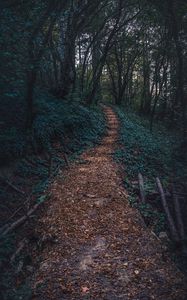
{"type": "Point", "coordinates": [59, 59]}
{"type": "Point", "coordinates": [129, 51]}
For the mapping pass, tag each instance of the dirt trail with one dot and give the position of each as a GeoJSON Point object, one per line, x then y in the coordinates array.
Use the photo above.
{"type": "Point", "coordinates": [95, 245]}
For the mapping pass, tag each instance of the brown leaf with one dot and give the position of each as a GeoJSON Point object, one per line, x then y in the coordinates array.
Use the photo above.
{"type": "Point", "coordinates": [85, 289]}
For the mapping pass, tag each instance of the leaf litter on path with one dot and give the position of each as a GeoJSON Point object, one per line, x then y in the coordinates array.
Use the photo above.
{"type": "Point", "coordinates": [104, 250]}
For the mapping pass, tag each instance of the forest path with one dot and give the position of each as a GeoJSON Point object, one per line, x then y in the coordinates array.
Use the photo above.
{"type": "Point", "coordinates": [95, 246]}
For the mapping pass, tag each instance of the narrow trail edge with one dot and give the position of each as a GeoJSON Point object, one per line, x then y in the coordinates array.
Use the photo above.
{"type": "Point", "coordinates": [95, 246]}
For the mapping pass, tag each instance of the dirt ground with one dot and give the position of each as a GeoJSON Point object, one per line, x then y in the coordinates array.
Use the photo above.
{"type": "Point", "coordinates": [95, 246]}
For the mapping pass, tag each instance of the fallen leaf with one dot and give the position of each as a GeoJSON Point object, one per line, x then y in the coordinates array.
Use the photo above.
{"type": "Point", "coordinates": [137, 272]}
{"type": "Point", "coordinates": [85, 289]}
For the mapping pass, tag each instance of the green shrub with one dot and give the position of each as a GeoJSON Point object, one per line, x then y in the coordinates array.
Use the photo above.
{"type": "Point", "coordinates": [75, 127]}
{"type": "Point", "coordinates": [54, 119]}
{"type": "Point", "coordinates": [152, 154]}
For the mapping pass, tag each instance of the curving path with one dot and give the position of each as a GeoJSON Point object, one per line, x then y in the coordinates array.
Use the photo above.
{"type": "Point", "coordinates": [95, 246]}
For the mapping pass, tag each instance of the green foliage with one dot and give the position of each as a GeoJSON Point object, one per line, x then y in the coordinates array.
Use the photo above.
{"type": "Point", "coordinates": [42, 199]}
{"type": "Point", "coordinates": [13, 144]}
{"type": "Point", "coordinates": [6, 248]}
{"type": "Point", "coordinates": [150, 154]}
{"type": "Point", "coordinates": [61, 120]}
{"type": "Point", "coordinates": [152, 217]}
{"type": "Point", "coordinates": [75, 127]}
{"type": "Point", "coordinates": [54, 120]}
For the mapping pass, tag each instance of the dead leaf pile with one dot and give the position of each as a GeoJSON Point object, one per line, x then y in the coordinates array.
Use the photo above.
{"type": "Point", "coordinates": [102, 249]}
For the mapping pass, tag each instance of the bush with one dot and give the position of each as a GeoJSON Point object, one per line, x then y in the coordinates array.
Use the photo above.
{"type": "Point", "coordinates": [71, 124]}
{"type": "Point", "coordinates": [54, 119]}
{"type": "Point", "coordinates": [152, 154]}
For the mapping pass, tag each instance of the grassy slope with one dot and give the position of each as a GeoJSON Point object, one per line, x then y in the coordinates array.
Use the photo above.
{"type": "Point", "coordinates": [55, 119]}
{"type": "Point", "coordinates": [152, 154]}
{"type": "Point", "coordinates": [74, 127]}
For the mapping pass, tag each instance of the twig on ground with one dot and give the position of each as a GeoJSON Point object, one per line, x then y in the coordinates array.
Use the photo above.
{"type": "Point", "coordinates": [12, 186]}
{"type": "Point", "coordinates": [21, 220]}
{"type": "Point", "coordinates": [141, 186]}
{"type": "Point", "coordinates": [21, 245]}
{"type": "Point", "coordinates": [65, 158]}
{"type": "Point", "coordinates": [14, 214]}
{"type": "Point", "coordinates": [170, 220]}
{"type": "Point", "coordinates": [178, 214]}
{"type": "Point", "coordinates": [180, 222]}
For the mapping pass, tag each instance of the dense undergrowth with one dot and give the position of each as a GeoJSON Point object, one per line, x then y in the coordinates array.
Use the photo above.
{"type": "Point", "coordinates": [54, 119]}
{"type": "Point", "coordinates": [59, 126]}
{"type": "Point", "coordinates": [152, 154]}
{"type": "Point", "coordinates": [156, 154]}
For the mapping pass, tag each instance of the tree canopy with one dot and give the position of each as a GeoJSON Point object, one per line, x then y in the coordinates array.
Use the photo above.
{"type": "Point", "coordinates": [135, 48]}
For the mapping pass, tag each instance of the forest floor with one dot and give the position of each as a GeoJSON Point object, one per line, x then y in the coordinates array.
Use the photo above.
{"type": "Point", "coordinates": [94, 245]}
